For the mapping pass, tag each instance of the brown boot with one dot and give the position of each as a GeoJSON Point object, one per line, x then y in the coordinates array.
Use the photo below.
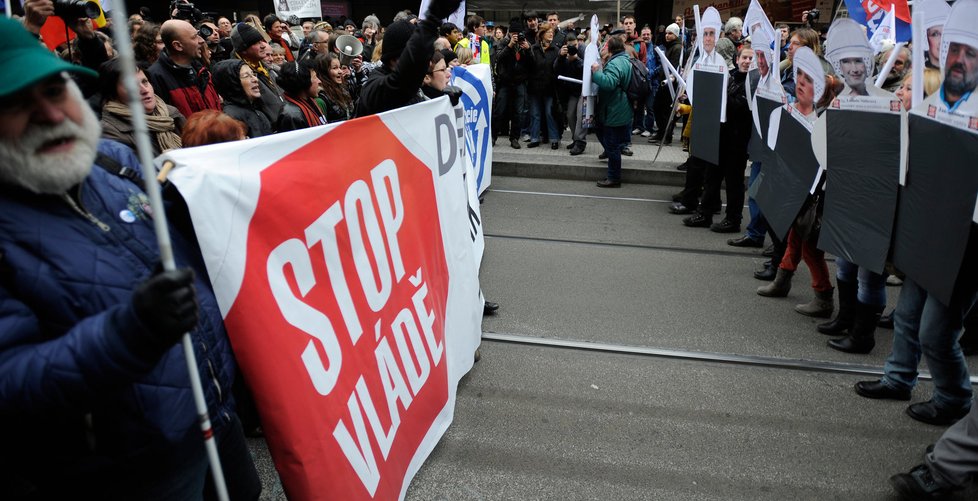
{"type": "Point", "coordinates": [820, 307]}
{"type": "Point", "coordinates": [779, 287]}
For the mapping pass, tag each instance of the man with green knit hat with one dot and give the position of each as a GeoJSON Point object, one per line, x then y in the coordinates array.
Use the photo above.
{"type": "Point", "coordinates": [95, 395]}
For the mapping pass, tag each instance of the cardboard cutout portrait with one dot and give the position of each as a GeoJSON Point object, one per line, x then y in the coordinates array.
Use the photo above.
{"type": "Point", "coordinates": [789, 170]}
{"type": "Point", "coordinates": [863, 171]}
{"type": "Point", "coordinates": [709, 90]}
{"type": "Point", "coordinates": [930, 238]}
{"type": "Point", "coordinates": [589, 90]}
{"type": "Point", "coordinates": [704, 140]}
{"type": "Point", "coordinates": [851, 56]}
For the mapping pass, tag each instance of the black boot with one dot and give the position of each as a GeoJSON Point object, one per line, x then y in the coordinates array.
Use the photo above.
{"type": "Point", "coordinates": [861, 338]}
{"type": "Point", "coordinates": [840, 325]}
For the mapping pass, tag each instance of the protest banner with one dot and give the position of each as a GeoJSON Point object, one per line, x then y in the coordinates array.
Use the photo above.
{"type": "Point", "coordinates": [349, 289]}
{"type": "Point", "coordinates": [285, 9]}
{"type": "Point", "coordinates": [476, 84]}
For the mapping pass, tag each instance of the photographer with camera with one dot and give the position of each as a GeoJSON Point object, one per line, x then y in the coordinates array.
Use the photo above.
{"type": "Point", "coordinates": [571, 64]}
{"type": "Point", "coordinates": [92, 50]}
{"type": "Point", "coordinates": [512, 71]}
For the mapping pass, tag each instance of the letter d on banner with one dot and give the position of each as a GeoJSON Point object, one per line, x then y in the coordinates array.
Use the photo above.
{"type": "Point", "coordinates": [445, 128]}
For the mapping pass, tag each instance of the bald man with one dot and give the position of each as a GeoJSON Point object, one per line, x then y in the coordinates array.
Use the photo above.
{"type": "Point", "coordinates": [177, 75]}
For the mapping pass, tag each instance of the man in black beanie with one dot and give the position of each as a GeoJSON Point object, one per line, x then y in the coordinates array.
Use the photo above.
{"type": "Point", "coordinates": [250, 47]}
{"type": "Point", "coordinates": [406, 56]}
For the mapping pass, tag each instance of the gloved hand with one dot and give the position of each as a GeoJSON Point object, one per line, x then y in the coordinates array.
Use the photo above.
{"type": "Point", "coordinates": [166, 304]}
{"type": "Point", "coordinates": [441, 9]}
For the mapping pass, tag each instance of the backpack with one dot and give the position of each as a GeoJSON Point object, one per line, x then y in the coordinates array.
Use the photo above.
{"type": "Point", "coordinates": [638, 84]}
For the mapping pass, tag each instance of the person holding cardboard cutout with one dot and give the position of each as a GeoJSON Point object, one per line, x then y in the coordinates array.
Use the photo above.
{"type": "Point", "coordinates": [809, 87]}
{"type": "Point", "coordinates": [862, 293]}
{"type": "Point", "coordinates": [925, 326]}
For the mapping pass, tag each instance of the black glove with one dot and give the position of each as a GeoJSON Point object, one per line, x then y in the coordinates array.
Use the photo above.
{"type": "Point", "coordinates": [441, 9]}
{"type": "Point", "coordinates": [166, 304]}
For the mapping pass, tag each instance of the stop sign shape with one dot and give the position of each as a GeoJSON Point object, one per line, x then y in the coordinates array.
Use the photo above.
{"type": "Point", "coordinates": [339, 322]}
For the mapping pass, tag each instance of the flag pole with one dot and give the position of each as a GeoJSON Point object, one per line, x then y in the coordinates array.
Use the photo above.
{"type": "Point", "coordinates": [152, 189]}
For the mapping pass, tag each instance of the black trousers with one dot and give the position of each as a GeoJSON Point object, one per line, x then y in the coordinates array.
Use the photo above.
{"type": "Point", "coordinates": [730, 171]}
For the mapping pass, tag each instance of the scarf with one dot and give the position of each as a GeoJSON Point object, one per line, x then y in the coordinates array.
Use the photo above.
{"type": "Point", "coordinates": [285, 45]}
{"type": "Point", "coordinates": [159, 122]}
{"type": "Point", "coordinates": [310, 110]}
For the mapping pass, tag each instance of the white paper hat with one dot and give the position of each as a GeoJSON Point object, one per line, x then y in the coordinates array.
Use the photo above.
{"type": "Point", "coordinates": [711, 19]}
{"type": "Point", "coordinates": [806, 60]}
{"type": "Point", "coordinates": [847, 39]}
{"type": "Point", "coordinates": [755, 15]}
{"type": "Point", "coordinates": [761, 40]}
{"type": "Point", "coordinates": [935, 12]}
{"type": "Point", "coordinates": [960, 27]}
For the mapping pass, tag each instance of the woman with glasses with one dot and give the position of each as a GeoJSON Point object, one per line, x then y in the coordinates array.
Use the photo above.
{"type": "Point", "coordinates": [238, 85]}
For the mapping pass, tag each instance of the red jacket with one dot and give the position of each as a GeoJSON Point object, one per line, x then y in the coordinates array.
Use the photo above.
{"type": "Point", "coordinates": [188, 89]}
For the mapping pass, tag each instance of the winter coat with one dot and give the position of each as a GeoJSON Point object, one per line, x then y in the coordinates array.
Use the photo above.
{"type": "Point", "coordinates": [236, 104]}
{"type": "Point", "coordinates": [542, 74]}
{"type": "Point", "coordinates": [390, 87]}
{"type": "Point", "coordinates": [79, 406]}
{"type": "Point", "coordinates": [513, 65]}
{"type": "Point", "coordinates": [571, 69]}
{"type": "Point", "coordinates": [189, 89]}
{"type": "Point", "coordinates": [735, 131]}
{"type": "Point", "coordinates": [613, 107]}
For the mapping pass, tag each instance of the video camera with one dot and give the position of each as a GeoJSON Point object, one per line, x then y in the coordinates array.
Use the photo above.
{"type": "Point", "coordinates": [69, 10]}
{"type": "Point", "coordinates": [182, 9]}
{"type": "Point", "coordinates": [812, 17]}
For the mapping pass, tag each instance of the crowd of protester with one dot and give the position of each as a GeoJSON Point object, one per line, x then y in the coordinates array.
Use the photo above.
{"type": "Point", "coordinates": [204, 81]}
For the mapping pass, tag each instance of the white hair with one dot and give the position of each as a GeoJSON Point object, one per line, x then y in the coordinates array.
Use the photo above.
{"type": "Point", "coordinates": [52, 173]}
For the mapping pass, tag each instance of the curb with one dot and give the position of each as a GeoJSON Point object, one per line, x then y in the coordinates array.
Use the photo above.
{"type": "Point", "coordinates": [665, 175]}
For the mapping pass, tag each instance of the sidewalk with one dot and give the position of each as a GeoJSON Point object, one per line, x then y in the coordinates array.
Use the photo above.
{"type": "Point", "coordinates": [542, 162]}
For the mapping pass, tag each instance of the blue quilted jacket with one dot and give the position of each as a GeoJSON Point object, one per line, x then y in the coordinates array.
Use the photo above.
{"type": "Point", "coordinates": [73, 398]}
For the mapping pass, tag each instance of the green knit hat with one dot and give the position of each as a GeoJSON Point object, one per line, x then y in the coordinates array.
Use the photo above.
{"type": "Point", "coordinates": [26, 61]}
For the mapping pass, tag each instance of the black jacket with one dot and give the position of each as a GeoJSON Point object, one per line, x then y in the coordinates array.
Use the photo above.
{"type": "Point", "coordinates": [510, 69]}
{"type": "Point", "coordinates": [236, 105]}
{"type": "Point", "coordinates": [735, 131]}
{"type": "Point", "coordinates": [572, 69]}
{"type": "Point", "coordinates": [542, 74]}
{"type": "Point", "coordinates": [388, 87]}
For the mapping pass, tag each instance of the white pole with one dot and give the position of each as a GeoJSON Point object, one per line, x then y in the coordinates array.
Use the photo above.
{"type": "Point", "coordinates": [889, 65]}
{"type": "Point", "coordinates": [152, 188]}
{"type": "Point", "coordinates": [919, 38]}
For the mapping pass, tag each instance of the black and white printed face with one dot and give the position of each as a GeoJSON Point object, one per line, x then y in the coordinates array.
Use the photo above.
{"type": "Point", "coordinates": [709, 40]}
{"type": "Point", "coordinates": [961, 70]}
{"type": "Point", "coordinates": [854, 73]}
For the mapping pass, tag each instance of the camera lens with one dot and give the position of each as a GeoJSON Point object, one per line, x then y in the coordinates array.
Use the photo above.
{"type": "Point", "coordinates": [76, 9]}
{"type": "Point", "coordinates": [205, 32]}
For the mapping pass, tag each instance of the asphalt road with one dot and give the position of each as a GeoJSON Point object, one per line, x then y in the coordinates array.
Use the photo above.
{"type": "Point", "coordinates": [571, 262]}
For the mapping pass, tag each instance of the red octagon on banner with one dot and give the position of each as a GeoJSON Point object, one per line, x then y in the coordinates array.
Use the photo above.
{"type": "Point", "coordinates": [346, 356]}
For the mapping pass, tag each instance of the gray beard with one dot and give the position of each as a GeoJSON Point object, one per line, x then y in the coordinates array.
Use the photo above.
{"type": "Point", "coordinates": [52, 173]}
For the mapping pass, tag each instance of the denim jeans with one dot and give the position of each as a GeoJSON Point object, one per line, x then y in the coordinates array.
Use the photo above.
{"type": "Point", "coordinates": [507, 110]}
{"type": "Point", "coordinates": [612, 138]}
{"type": "Point", "coordinates": [923, 326]}
{"type": "Point", "coordinates": [649, 124]}
{"type": "Point", "coordinates": [872, 286]}
{"type": "Point", "coordinates": [758, 224]}
{"type": "Point", "coordinates": [542, 105]}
